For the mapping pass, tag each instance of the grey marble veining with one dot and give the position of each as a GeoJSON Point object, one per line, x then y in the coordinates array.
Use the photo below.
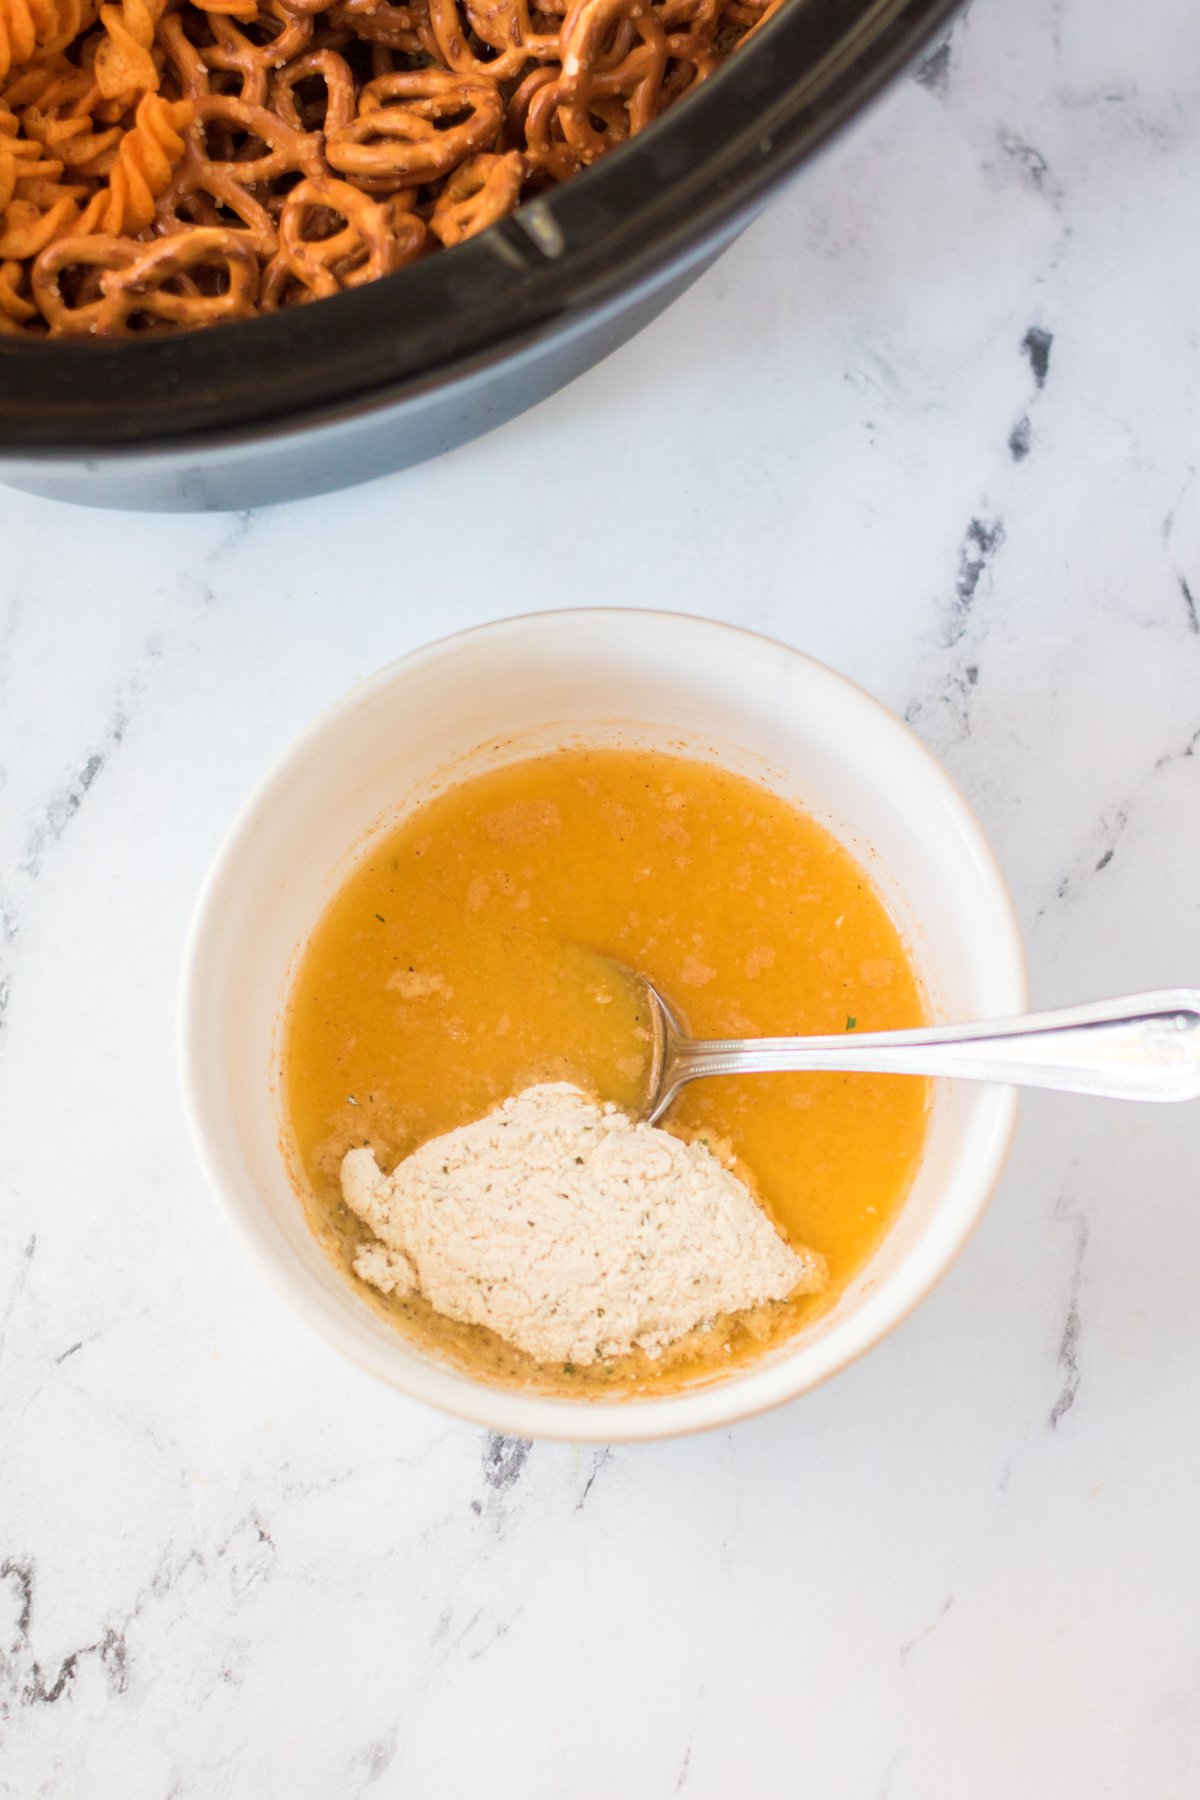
{"type": "Point", "coordinates": [933, 419]}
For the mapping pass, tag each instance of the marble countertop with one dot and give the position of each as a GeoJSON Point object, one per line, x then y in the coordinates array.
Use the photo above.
{"type": "Point", "coordinates": [934, 420]}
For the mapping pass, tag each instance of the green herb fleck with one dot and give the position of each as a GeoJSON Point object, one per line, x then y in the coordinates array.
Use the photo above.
{"type": "Point", "coordinates": [568, 1368]}
{"type": "Point", "coordinates": [851, 1022]}
{"type": "Point", "coordinates": [381, 918]}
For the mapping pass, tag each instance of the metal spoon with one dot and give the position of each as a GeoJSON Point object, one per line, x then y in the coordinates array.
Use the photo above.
{"type": "Point", "coordinates": [1145, 1047]}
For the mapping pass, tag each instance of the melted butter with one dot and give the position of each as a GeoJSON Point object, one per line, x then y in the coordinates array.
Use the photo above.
{"type": "Point", "coordinates": [464, 959]}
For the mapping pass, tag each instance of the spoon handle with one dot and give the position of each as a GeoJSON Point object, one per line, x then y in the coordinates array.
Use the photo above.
{"type": "Point", "coordinates": [1144, 1047]}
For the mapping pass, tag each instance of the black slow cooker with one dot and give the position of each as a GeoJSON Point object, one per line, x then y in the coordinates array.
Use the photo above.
{"type": "Point", "coordinates": [325, 395]}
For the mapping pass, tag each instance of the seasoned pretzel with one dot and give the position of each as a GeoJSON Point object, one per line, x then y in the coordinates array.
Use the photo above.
{"type": "Point", "coordinates": [377, 22]}
{"type": "Point", "coordinates": [411, 127]}
{"type": "Point", "coordinates": [203, 195]}
{"type": "Point", "coordinates": [69, 318]}
{"type": "Point", "coordinates": [340, 99]}
{"type": "Point", "coordinates": [225, 257]}
{"type": "Point", "coordinates": [692, 60]}
{"type": "Point", "coordinates": [318, 259]}
{"type": "Point", "coordinates": [287, 151]}
{"type": "Point", "coordinates": [505, 27]}
{"type": "Point", "coordinates": [480, 191]}
{"type": "Point", "coordinates": [190, 70]}
{"type": "Point", "coordinates": [137, 278]}
{"type": "Point", "coordinates": [236, 53]}
{"type": "Point", "coordinates": [698, 16]}
{"type": "Point", "coordinates": [171, 163]}
{"type": "Point", "coordinates": [766, 14]}
{"type": "Point", "coordinates": [614, 59]}
{"type": "Point", "coordinates": [588, 74]}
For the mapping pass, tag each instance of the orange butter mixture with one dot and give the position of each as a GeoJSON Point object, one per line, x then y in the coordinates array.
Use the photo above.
{"type": "Point", "coordinates": [465, 959]}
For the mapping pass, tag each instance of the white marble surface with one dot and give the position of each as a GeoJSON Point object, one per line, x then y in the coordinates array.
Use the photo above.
{"type": "Point", "coordinates": [970, 1567]}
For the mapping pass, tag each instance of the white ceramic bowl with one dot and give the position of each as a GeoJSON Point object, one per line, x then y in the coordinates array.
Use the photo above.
{"type": "Point", "coordinates": [510, 690]}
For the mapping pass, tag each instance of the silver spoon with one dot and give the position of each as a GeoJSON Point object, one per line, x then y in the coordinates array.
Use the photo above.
{"type": "Point", "coordinates": [1145, 1047]}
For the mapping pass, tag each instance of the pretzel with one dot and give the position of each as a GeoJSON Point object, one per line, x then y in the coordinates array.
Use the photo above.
{"type": "Point", "coordinates": [766, 14]}
{"type": "Point", "coordinates": [614, 59]}
{"type": "Point", "coordinates": [480, 191]}
{"type": "Point", "coordinates": [232, 50]}
{"type": "Point", "coordinates": [340, 100]}
{"type": "Point", "coordinates": [588, 74]}
{"type": "Point", "coordinates": [287, 150]}
{"type": "Point", "coordinates": [693, 58]}
{"type": "Point", "coordinates": [136, 278]}
{"type": "Point", "coordinates": [504, 26]}
{"type": "Point", "coordinates": [700, 16]}
{"type": "Point", "coordinates": [378, 22]}
{"type": "Point", "coordinates": [68, 317]}
{"type": "Point", "coordinates": [314, 260]}
{"type": "Point", "coordinates": [189, 67]}
{"type": "Point", "coordinates": [410, 128]}
{"type": "Point", "coordinates": [165, 165]}
{"type": "Point", "coordinates": [203, 195]}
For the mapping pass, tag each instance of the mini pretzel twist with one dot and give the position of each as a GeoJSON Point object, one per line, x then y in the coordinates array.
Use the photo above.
{"type": "Point", "coordinates": [480, 191]}
{"type": "Point", "coordinates": [692, 60]}
{"type": "Point", "coordinates": [765, 15]}
{"type": "Point", "coordinates": [504, 27]}
{"type": "Point", "coordinates": [203, 195]}
{"type": "Point", "coordinates": [68, 318]}
{"type": "Point", "coordinates": [225, 258]}
{"type": "Point", "coordinates": [319, 259]}
{"type": "Point", "coordinates": [136, 279]}
{"type": "Point", "coordinates": [236, 53]}
{"type": "Point", "coordinates": [587, 74]}
{"type": "Point", "coordinates": [287, 151]}
{"type": "Point", "coordinates": [187, 66]}
{"type": "Point", "coordinates": [699, 16]}
{"type": "Point", "coordinates": [377, 22]}
{"type": "Point", "coordinates": [340, 99]}
{"type": "Point", "coordinates": [614, 58]}
{"type": "Point", "coordinates": [414, 127]}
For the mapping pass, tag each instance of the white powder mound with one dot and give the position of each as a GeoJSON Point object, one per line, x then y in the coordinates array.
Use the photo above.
{"type": "Point", "coordinates": [570, 1231]}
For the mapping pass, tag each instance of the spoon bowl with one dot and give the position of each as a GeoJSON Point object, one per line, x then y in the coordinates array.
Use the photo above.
{"type": "Point", "coordinates": [524, 688]}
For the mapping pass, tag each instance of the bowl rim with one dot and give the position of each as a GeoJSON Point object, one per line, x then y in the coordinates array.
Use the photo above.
{"type": "Point", "coordinates": [618, 229]}
{"type": "Point", "coordinates": [515, 1412]}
